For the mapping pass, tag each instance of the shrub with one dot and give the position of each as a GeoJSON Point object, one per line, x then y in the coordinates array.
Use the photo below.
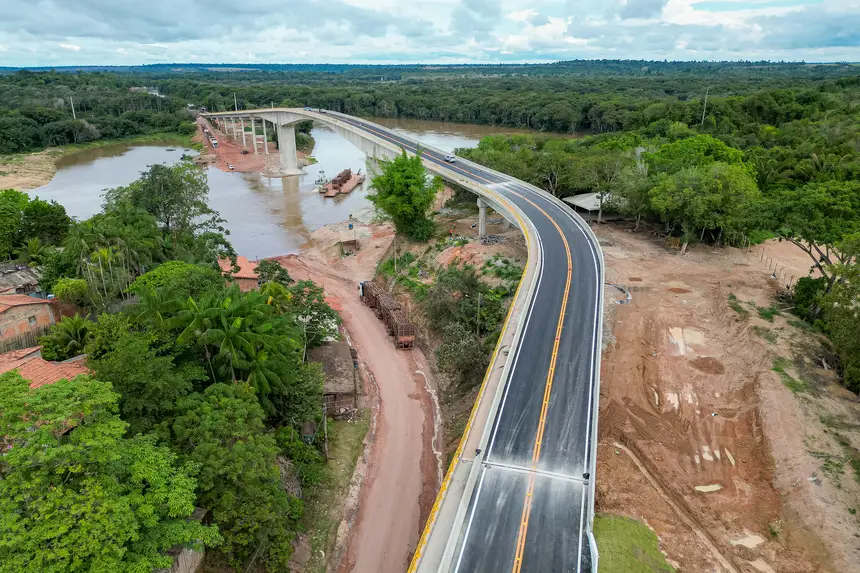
{"type": "Point", "coordinates": [73, 291]}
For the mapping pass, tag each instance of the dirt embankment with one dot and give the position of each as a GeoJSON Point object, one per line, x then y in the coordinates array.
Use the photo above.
{"type": "Point", "coordinates": [688, 384]}
{"type": "Point", "coordinates": [229, 152]}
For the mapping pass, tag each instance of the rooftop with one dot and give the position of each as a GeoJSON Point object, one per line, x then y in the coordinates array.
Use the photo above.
{"type": "Point", "coordinates": [336, 360]}
{"type": "Point", "coordinates": [31, 366]}
{"type": "Point", "coordinates": [247, 269]}
{"type": "Point", "coordinates": [7, 301]}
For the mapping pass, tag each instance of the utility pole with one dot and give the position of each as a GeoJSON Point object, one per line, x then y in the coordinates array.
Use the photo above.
{"type": "Point", "coordinates": [235, 103]}
{"type": "Point", "coordinates": [478, 319]}
{"type": "Point", "coordinates": [72, 102]}
{"type": "Point", "coordinates": [705, 107]}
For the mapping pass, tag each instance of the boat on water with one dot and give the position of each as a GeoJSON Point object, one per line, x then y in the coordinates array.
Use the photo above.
{"type": "Point", "coordinates": [344, 183]}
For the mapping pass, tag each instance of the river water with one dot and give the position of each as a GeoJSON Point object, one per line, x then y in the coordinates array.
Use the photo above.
{"type": "Point", "coordinates": [265, 216]}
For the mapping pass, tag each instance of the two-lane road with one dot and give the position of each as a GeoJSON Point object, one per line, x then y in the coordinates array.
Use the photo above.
{"type": "Point", "coordinates": [530, 509]}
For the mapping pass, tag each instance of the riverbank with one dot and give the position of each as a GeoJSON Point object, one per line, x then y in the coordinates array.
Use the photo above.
{"type": "Point", "coordinates": [230, 152]}
{"type": "Point", "coordinates": [26, 171]}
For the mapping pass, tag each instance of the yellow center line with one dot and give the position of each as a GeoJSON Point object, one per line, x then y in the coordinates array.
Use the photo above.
{"type": "Point", "coordinates": [527, 505]}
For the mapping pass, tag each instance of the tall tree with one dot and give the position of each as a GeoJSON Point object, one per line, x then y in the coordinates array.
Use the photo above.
{"type": "Point", "coordinates": [75, 495]}
{"type": "Point", "coordinates": [222, 431]}
{"type": "Point", "coordinates": [176, 195]}
{"type": "Point", "coordinates": [403, 192]}
{"type": "Point", "coordinates": [821, 219]}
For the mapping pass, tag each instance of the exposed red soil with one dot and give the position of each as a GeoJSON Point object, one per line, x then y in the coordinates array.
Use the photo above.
{"type": "Point", "coordinates": [688, 387]}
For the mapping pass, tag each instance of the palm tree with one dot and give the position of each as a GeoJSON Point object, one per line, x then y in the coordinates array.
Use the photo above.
{"type": "Point", "coordinates": [80, 243]}
{"type": "Point", "coordinates": [32, 253]}
{"type": "Point", "coordinates": [71, 334]}
{"type": "Point", "coordinates": [154, 307]}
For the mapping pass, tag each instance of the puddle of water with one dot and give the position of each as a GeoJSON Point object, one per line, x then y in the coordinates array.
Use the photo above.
{"type": "Point", "coordinates": [265, 216]}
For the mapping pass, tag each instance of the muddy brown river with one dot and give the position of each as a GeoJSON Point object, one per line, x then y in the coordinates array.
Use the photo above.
{"type": "Point", "coordinates": [265, 216]}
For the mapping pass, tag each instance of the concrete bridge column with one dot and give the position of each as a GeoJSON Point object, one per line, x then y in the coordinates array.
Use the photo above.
{"type": "Point", "coordinates": [482, 218]}
{"type": "Point", "coordinates": [254, 134]}
{"type": "Point", "coordinates": [372, 169]}
{"type": "Point", "coordinates": [242, 126]}
{"type": "Point", "coordinates": [265, 137]}
{"type": "Point", "coordinates": [233, 127]}
{"type": "Point", "coordinates": [287, 148]}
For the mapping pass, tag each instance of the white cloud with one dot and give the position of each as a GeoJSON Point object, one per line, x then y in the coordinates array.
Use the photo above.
{"type": "Point", "coordinates": [393, 31]}
{"type": "Point", "coordinates": [521, 15]}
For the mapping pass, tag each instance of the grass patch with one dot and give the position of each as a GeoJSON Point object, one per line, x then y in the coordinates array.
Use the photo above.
{"type": "Point", "coordinates": [760, 236]}
{"type": "Point", "coordinates": [628, 546]}
{"type": "Point", "coordinates": [779, 366]}
{"type": "Point", "coordinates": [765, 333]}
{"type": "Point", "coordinates": [503, 268]}
{"type": "Point", "coordinates": [735, 305]}
{"type": "Point", "coordinates": [768, 313]}
{"type": "Point", "coordinates": [402, 262]}
{"type": "Point", "coordinates": [322, 508]}
{"type": "Point", "coordinates": [834, 466]}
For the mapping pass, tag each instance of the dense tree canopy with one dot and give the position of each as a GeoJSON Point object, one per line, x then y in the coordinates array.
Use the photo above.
{"type": "Point", "coordinates": [78, 496]}
{"type": "Point", "coordinates": [403, 193]}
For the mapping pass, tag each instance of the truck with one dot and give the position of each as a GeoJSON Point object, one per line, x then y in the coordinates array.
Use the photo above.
{"type": "Point", "coordinates": [401, 330]}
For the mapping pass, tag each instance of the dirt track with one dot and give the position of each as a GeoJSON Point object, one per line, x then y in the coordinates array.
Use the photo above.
{"type": "Point", "coordinates": [403, 470]}
{"type": "Point", "coordinates": [688, 386]}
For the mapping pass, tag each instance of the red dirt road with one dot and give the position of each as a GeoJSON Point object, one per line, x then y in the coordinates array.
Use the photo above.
{"type": "Point", "coordinates": [402, 476]}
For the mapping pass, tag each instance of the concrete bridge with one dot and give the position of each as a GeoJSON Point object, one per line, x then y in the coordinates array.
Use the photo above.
{"type": "Point", "coordinates": [519, 494]}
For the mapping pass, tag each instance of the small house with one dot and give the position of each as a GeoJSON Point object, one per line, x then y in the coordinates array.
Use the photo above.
{"type": "Point", "coordinates": [340, 367]}
{"type": "Point", "coordinates": [19, 280]}
{"type": "Point", "coordinates": [246, 277]}
{"type": "Point", "coordinates": [21, 314]}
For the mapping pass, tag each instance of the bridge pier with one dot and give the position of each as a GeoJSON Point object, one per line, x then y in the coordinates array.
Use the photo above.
{"type": "Point", "coordinates": [265, 137]}
{"type": "Point", "coordinates": [242, 126]}
{"type": "Point", "coordinates": [254, 134]}
{"type": "Point", "coordinates": [287, 149]}
{"type": "Point", "coordinates": [482, 218]}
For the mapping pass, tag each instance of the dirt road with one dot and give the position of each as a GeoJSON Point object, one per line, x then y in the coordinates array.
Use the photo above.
{"type": "Point", "coordinates": [403, 469]}
{"type": "Point", "coordinates": [688, 384]}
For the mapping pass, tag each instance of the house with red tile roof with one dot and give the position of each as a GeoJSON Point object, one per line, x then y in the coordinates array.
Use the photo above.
{"type": "Point", "coordinates": [31, 366]}
{"type": "Point", "coordinates": [20, 313]}
{"type": "Point", "coordinates": [246, 277]}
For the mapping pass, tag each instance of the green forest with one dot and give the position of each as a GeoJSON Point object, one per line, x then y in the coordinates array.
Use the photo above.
{"type": "Point", "coordinates": [197, 389]}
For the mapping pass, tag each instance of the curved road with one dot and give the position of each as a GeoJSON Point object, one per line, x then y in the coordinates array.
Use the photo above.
{"type": "Point", "coordinates": [532, 507]}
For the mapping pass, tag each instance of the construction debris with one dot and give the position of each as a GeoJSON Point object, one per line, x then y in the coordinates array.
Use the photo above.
{"type": "Point", "coordinates": [492, 240]}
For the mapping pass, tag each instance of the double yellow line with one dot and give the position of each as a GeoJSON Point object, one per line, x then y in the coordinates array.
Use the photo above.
{"type": "Point", "coordinates": [527, 504]}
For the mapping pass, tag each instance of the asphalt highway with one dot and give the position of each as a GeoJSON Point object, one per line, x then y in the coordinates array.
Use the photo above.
{"type": "Point", "coordinates": [529, 510]}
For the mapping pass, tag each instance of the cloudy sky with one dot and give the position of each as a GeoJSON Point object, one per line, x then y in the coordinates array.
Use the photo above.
{"type": "Point", "coordinates": [119, 32]}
